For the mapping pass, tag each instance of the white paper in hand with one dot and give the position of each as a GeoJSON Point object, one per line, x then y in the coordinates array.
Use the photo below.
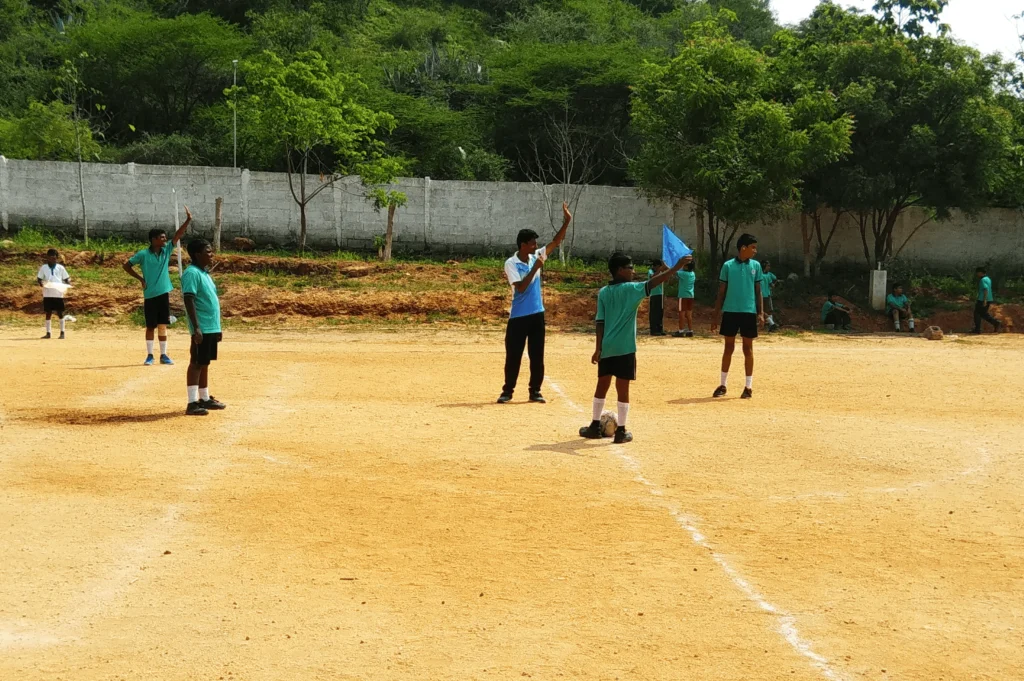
{"type": "Point", "coordinates": [542, 254]}
{"type": "Point", "coordinates": [56, 286]}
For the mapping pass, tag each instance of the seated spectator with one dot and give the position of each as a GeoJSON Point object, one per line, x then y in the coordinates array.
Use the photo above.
{"type": "Point", "coordinates": [897, 308]}
{"type": "Point", "coordinates": [834, 314]}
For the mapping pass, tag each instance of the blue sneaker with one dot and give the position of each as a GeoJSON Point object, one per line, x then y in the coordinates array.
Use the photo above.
{"type": "Point", "coordinates": [149, 361]}
{"type": "Point", "coordinates": [164, 359]}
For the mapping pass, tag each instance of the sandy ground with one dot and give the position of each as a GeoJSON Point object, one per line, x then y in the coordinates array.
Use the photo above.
{"type": "Point", "coordinates": [363, 511]}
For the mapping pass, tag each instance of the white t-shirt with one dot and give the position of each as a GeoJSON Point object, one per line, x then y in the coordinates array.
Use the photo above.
{"type": "Point", "coordinates": [530, 301]}
{"type": "Point", "coordinates": [55, 276]}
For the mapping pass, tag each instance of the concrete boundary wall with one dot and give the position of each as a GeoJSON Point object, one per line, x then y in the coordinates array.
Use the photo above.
{"type": "Point", "coordinates": [442, 217]}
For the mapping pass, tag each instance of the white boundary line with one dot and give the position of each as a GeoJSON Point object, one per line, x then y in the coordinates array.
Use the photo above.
{"type": "Point", "coordinates": [786, 623]}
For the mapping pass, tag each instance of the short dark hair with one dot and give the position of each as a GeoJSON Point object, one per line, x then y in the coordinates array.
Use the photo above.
{"type": "Point", "coordinates": [896, 285]}
{"type": "Point", "coordinates": [617, 261]}
{"type": "Point", "coordinates": [766, 263]}
{"type": "Point", "coordinates": [745, 240]}
{"type": "Point", "coordinates": [831, 294]}
{"type": "Point", "coordinates": [196, 246]}
{"type": "Point", "coordinates": [657, 262]}
{"type": "Point", "coordinates": [53, 252]}
{"type": "Point", "coordinates": [155, 232]}
{"type": "Point", "coordinates": [524, 236]}
{"type": "Point", "coordinates": [689, 266]}
{"type": "Point", "coordinates": [982, 270]}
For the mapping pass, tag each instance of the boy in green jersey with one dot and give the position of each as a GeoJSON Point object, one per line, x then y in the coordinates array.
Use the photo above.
{"type": "Point", "coordinates": [984, 302]}
{"type": "Point", "coordinates": [657, 300]}
{"type": "Point", "coordinates": [741, 306]}
{"type": "Point", "coordinates": [156, 285]}
{"type": "Point", "coordinates": [767, 286]}
{"type": "Point", "coordinates": [617, 304]}
{"type": "Point", "coordinates": [835, 313]}
{"type": "Point", "coordinates": [897, 308]}
{"type": "Point", "coordinates": [202, 306]}
{"type": "Point", "coordinates": [687, 278]}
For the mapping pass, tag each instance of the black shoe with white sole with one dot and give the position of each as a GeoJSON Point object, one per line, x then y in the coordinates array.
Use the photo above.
{"type": "Point", "coordinates": [747, 394]}
{"type": "Point", "coordinates": [538, 398]}
{"type": "Point", "coordinates": [592, 432]}
{"type": "Point", "coordinates": [212, 403]}
{"type": "Point", "coordinates": [504, 398]}
{"type": "Point", "coordinates": [621, 436]}
{"type": "Point", "coordinates": [195, 409]}
{"type": "Point", "coordinates": [720, 391]}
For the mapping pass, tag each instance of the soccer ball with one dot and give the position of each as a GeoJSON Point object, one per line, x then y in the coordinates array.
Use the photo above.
{"type": "Point", "coordinates": [608, 424]}
{"type": "Point", "coordinates": [172, 319]}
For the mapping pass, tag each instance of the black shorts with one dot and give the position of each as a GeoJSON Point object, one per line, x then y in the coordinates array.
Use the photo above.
{"type": "Point", "coordinates": [743, 323]}
{"type": "Point", "coordinates": [620, 366]}
{"type": "Point", "coordinates": [54, 305]}
{"type": "Point", "coordinates": [158, 311]}
{"type": "Point", "coordinates": [204, 353]}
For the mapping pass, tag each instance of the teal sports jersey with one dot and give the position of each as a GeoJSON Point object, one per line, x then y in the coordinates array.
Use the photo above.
{"type": "Point", "coordinates": [198, 283]}
{"type": "Point", "coordinates": [154, 270]}
{"type": "Point", "coordinates": [768, 280]}
{"type": "Point", "coordinates": [616, 307]}
{"type": "Point", "coordinates": [894, 302]}
{"type": "Point", "coordinates": [686, 281]}
{"type": "Point", "coordinates": [828, 307]}
{"type": "Point", "coordinates": [985, 290]}
{"type": "Point", "coordinates": [660, 290]}
{"type": "Point", "coordinates": [740, 278]}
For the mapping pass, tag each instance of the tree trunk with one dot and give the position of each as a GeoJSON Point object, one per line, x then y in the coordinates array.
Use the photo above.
{"type": "Point", "coordinates": [390, 233]}
{"type": "Point", "coordinates": [823, 243]}
{"type": "Point", "coordinates": [700, 227]}
{"type": "Point", "coordinates": [217, 224]}
{"type": "Point", "coordinates": [805, 237]}
{"type": "Point", "coordinates": [302, 206]}
{"type": "Point", "coordinates": [712, 237]}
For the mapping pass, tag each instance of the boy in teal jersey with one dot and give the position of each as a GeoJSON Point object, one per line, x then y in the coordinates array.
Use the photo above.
{"type": "Point", "coordinates": [834, 313]}
{"type": "Point", "coordinates": [156, 285]}
{"type": "Point", "coordinates": [202, 307]}
{"type": "Point", "coordinates": [687, 278]}
{"type": "Point", "coordinates": [657, 300]}
{"type": "Point", "coordinates": [767, 287]}
{"type": "Point", "coordinates": [741, 307]}
{"type": "Point", "coordinates": [897, 307]}
{"type": "Point", "coordinates": [617, 305]}
{"type": "Point", "coordinates": [984, 302]}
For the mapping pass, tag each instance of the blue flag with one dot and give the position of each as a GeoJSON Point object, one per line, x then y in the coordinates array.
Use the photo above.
{"type": "Point", "coordinates": [672, 247]}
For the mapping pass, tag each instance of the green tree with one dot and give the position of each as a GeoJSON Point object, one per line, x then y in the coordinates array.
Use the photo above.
{"type": "Point", "coordinates": [156, 74]}
{"type": "Point", "coordinates": [712, 135]}
{"type": "Point", "coordinates": [313, 114]}
{"type": "Point", "coordinates": [45, 132]}
{"type": "Point", "coordinates": [910, 17]}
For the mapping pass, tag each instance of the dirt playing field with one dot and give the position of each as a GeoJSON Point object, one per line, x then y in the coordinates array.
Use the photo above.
{"type": "Point", "coordinates": [363, 510]}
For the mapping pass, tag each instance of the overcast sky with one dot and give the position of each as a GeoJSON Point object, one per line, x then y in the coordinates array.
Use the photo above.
{"type": "Point", "coordinates": [985, 24]}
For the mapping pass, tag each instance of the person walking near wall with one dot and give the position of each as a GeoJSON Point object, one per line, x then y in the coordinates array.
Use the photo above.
{"type": "Point", "coordinates": [526, 327]}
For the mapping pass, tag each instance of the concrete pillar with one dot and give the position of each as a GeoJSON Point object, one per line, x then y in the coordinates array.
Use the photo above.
{"type": "Point", "coordinates": [426, 213]}
{"type": "Point", "coordinates": [133, 197]}
{"type": "Point", "coordinates": [336, 194]}
{"type": "Point", "coordinates": [877, 288]}
{"type": "Point", "coordinates": [5, 196]}
{"type": "Point", "coordinates": [245, 201]}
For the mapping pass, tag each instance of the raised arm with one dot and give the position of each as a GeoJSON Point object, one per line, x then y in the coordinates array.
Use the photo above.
{"type": "Point", "coordinates": [560, 237]}
{"type": "Point", "coordinates": [660, 278]}
{"type": "Point", "coordinates": [184, 227]}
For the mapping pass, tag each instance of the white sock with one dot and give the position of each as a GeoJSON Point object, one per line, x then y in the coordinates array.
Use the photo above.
{"type": "Point", "coordinates": [750, 382]}
{"type": "Point", "coordinates": [62, 325]}
{"type": "Point", "coordinates": [47, 326]}
{"type": "Point", "coordinates": [725, 378]}
{"type": "Point", "coordinates": [911, 324]}
{"type": "Point", "coordinates": [598, 408]}
{"type": "Point", "coordinates": [771, 322]}
{"type": "Point", "coordinates": [149, 347]}
{"type": "Point", "coordinates": [897, 326]}
{"type": "Point", "coordinates": [204, 393]}
{"type": "Point", "coordinates": [163, 347]}
{"type": "Point", "coordinates": [623, 413]}
{"type": "Point", "coordinates": [193, 393]}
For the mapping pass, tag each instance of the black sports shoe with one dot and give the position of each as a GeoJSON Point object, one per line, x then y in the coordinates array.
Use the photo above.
{"type": "Point", "coordinates": [195, 409]}
{"type": "Point", "coordinates": [212, 403]}
{"type": "Point", "coordinates": [504, 398]}
{"type": "Point", "coordinates": [538, 398]}
{"type": "Point", "coordinates": [747, 394]}
{"type": "Point", "coordinates": [679, 334]}
{"type": "Point", "coordinates": [720, 391]}
{"type": "Point", "coordinates": [998, 326]}
{"type": "Point", "coordinates": [45, 337]}
{"type": "Point", "coordinates": [61, 337]}
{"type": "Point", "coordinates": [592, 432]}
{"type": "Point", "coordinates": [621, 436]}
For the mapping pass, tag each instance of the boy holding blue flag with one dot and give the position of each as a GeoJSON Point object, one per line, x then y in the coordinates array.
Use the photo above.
{"type": "Point", "coordinates": [615, 357]}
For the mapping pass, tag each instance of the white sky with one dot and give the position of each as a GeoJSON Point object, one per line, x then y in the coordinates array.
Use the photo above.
{"type": "Point", "coordinates": [987, 25]}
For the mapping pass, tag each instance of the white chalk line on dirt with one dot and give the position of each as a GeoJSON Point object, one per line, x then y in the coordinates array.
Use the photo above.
{"type": "Point", "coordinates": [786, 622]}
{"type": "Point", "coordinates": [98, 597]}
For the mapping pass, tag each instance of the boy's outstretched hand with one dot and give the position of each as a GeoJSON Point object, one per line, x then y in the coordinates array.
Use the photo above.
{"type": "Point", "coordinates": [188, 214]}
{"type": "Point", "coordinates": [566, 215]}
